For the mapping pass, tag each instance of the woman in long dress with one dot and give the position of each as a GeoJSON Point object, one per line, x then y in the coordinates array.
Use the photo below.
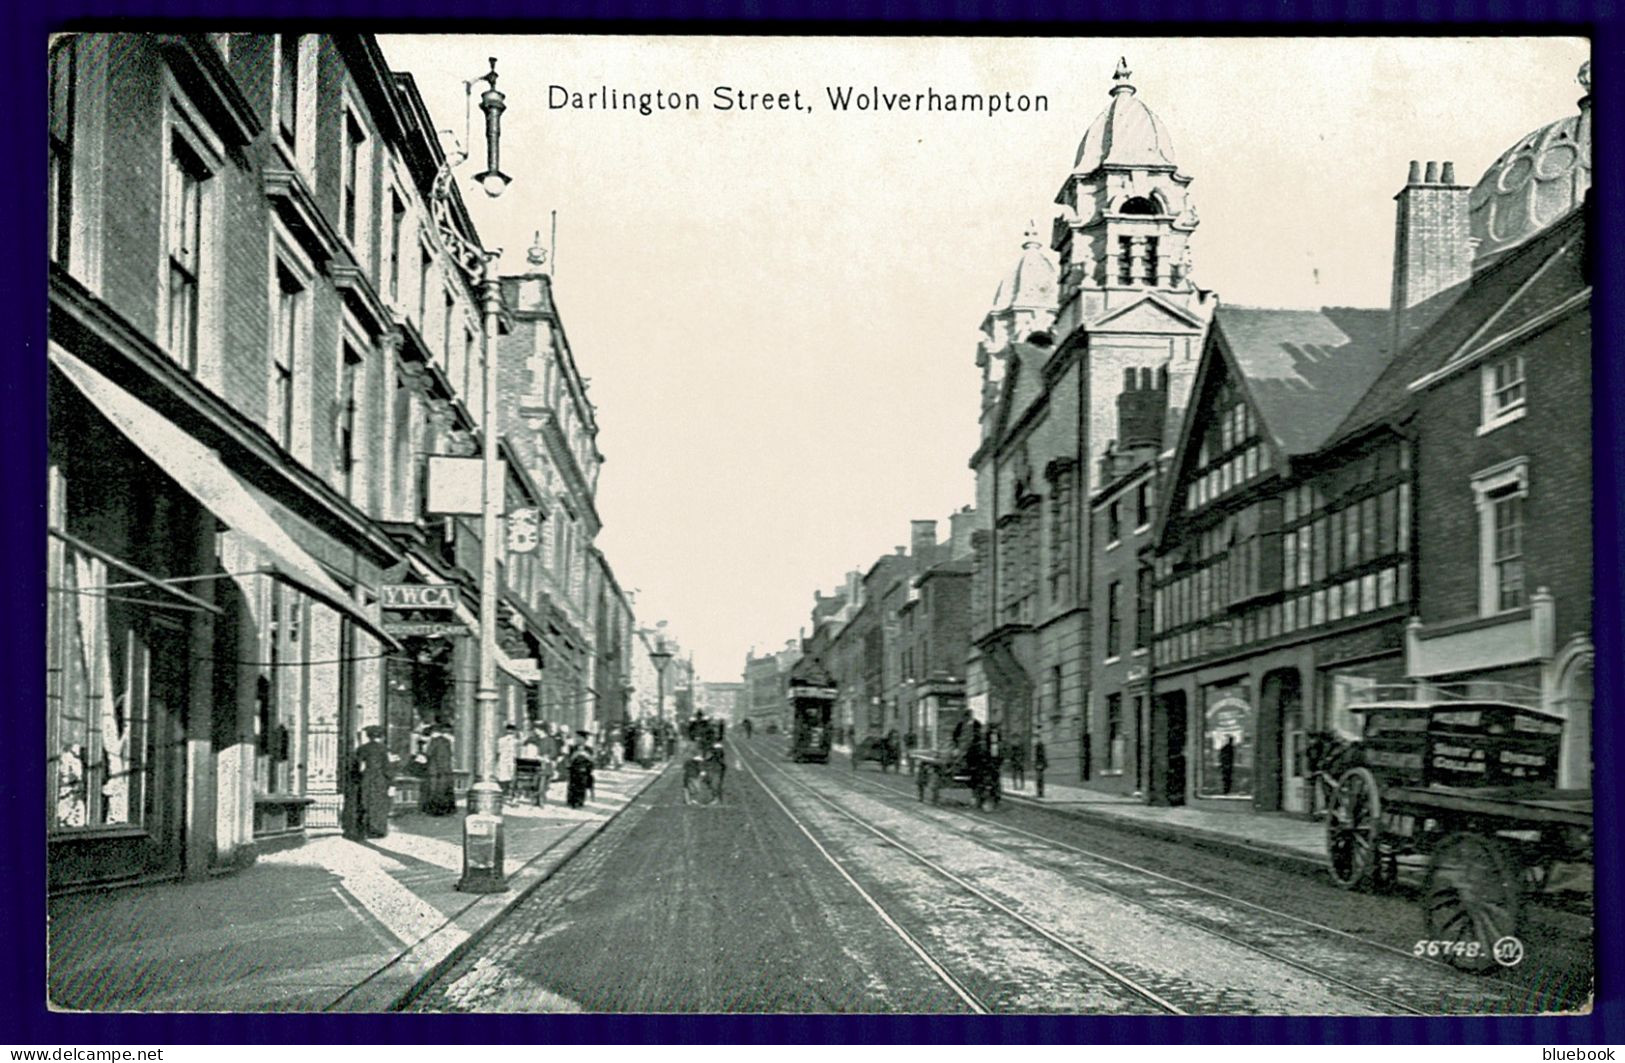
{"type": "Point", "coordinates": [439, 797]}
{"type": "Point", "coordinates": [371, 770]}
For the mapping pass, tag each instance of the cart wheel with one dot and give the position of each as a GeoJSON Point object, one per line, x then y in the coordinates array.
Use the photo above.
{"type": "Point", "coordinates": [936, 787]}
{"type": "Point", "coordinates": [1474, 897]}
{"type": "Point", "coordinates": [1353, 828]}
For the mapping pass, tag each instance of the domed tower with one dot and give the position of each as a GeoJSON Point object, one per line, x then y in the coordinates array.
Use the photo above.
{"type": "Point", "coordinates": [1126, 217]}
{"type": "Point", "coordinates": [1024, 304]}
{"type": "Point", "coordinates": [1535, 182]}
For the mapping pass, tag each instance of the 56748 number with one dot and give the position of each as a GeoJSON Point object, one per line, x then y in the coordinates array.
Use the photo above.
{"type": "Point", "coordinates": [1436, 949]}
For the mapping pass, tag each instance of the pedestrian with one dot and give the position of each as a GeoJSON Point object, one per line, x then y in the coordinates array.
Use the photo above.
{"type": "Point", "coordinates": [580, 776]}
{"type": "Point", "coordinates": [1018, 767]}
{"type": "Point", "coordinates": [507, 757]}
{"type": "Point", "coordinates": [910, 741]}
{"type": "Point", "coordinates": [630, 739]}
{"type": "Point", "coordinates": [1040, 762]}
{"type": "Point", "coordinates": [646, 747]}
{"type": "Point", "coordinates": [439, 784]}
{"type": "Point", "coordinates": [371, 773]}
{"type": "Point", "coordinates": [749, 728]}
{"type": "Point", "coordinates": [1227, 763]}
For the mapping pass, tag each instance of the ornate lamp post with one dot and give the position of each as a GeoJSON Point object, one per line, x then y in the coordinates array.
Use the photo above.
{"type": "Point", "coordinates": [483, 870]}
{"type": "Point", "coordinates": [661, 657]}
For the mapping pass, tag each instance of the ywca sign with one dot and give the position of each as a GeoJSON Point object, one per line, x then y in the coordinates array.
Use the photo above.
{"type": "Point", "coordinates": [417, 596]}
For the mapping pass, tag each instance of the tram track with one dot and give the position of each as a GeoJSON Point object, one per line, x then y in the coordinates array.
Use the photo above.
{"type": "Point", "coordinates": [1471, 991]}
{"type": "Point", "coordinates": [937, 965]}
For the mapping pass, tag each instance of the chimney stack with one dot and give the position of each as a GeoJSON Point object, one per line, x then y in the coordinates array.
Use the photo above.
{"type": "Point", "coordinates": [1433, 249]}
{"type": "Point", "coordinates": [1141, 408]}
{"type": "Point", "coordinates": [922, 537]}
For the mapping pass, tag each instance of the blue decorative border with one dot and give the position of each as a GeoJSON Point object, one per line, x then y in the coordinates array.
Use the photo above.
{"type": "Point", "coordinates": [23, 1018]}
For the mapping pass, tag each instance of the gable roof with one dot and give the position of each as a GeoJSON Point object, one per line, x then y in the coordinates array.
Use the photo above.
{"type": "Point", "coordinates": [1304, 369]}
{"type": "Point", "coordinates": [1509, 292]}
{"type": "Point", "coordinates": [1147, 313]}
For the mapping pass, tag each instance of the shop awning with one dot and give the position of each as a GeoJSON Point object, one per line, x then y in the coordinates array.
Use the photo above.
{"type": "Point", "coordinates": [202, 474]}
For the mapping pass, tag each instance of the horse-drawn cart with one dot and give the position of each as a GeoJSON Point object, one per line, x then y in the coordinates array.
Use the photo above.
{"type": "Point", "coordinates": [1470, 782]}
{"type": "Point", "coordinates": [937, 770]}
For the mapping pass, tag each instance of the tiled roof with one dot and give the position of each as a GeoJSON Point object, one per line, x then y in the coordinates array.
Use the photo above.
{"type": "Point", "coordinates": [1305, 369]}
{"type": "Point", "coordinates": [1488, 293]}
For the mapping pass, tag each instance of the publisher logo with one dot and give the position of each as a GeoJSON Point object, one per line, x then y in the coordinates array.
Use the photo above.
{"type": "Point", "coordinates": [1508, 951]}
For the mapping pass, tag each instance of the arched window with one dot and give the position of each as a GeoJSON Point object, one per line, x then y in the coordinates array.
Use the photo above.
{"type": "Point", "coordinates": [1139, 205]}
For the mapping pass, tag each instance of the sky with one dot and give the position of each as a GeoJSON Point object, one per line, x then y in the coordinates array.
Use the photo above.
{"type": "Point", "coordinates": [777, 310]}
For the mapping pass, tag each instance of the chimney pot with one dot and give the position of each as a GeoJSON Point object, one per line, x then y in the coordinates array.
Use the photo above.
{"type": "Point", "coordinates": [1449, 174]}
{"type": "Point", "coordinates": [1432, 177]}
{"type": "Point", "coordinates": [1415, 176]}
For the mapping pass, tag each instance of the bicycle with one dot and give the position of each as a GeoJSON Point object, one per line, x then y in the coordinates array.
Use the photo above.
{"type": "Point", "coordinates": [702, 777]}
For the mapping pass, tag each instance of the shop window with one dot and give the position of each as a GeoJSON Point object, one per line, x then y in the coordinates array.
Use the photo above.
{"type": "Point", "coordinates": [96, 665]}
{"type": "Point", "coordinates": [1349, 685]}
{"type": "Point", "coordinates": [1227, 756]}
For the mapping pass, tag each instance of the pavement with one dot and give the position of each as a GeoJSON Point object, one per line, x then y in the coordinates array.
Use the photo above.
{"type": "Point", "coordinates": [1279, 837]}
{"type": "Point", "coordinates": [332, 925]}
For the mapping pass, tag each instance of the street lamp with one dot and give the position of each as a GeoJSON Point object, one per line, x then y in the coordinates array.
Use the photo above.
{"type": "Point", "coordinates": [661, 657]}
{"type": "Point", "coordinates": [483, 870]}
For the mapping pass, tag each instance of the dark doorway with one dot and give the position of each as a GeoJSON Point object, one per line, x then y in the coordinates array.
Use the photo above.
{"type": "Point", "coordinates": [1280, 715]}
{"type": "Point", "coordinates": [1173, 779]}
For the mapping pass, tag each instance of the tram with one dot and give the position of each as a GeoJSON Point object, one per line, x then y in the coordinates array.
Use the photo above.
{"type": "Point", "coordinates": [810, 707]}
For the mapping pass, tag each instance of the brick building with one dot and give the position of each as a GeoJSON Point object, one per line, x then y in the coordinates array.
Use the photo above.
{"type": "Point", "coordinates": [1117, 296]}
{"type": "Point", "coordinates": [1113, 754]}
{"type": "Point", "coordinates": [1496, 394]}
{"type": "Point", "coordinates": [258, 335]}
{"type": "Point", "coordinates": [1364, 498]}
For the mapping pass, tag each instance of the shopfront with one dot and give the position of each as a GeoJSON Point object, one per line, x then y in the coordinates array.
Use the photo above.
{"type": "Point", "coordinates": [197, 657]}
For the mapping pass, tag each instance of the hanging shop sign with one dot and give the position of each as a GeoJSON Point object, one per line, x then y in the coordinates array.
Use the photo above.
{"type": "Point", "coordinates": [428, 629]}
{"type": "Point", "coordinates": [455, 485]}
{"type": "Point", "coordinates": [524, 530]}
{"type": "Point", "coordinates": [417, 596]}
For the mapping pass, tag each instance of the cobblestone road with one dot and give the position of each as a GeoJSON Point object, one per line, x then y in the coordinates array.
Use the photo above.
{"type": "Point", "coordinates": [736, 909]}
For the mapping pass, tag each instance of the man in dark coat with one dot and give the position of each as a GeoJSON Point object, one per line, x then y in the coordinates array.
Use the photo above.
{"type": "Point", "coordinates": [370, 770]}
{"type": "Point", "coordinates": [1018, 766]}
{"type": "Point", "coordinates": [1040, 762]}
{"type": "Point", "coordinates": [439, 783]}
{"type": "Point", "coordinates": [580, 775]}
{"type": "Point", "coordinates": [1227, 763]}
